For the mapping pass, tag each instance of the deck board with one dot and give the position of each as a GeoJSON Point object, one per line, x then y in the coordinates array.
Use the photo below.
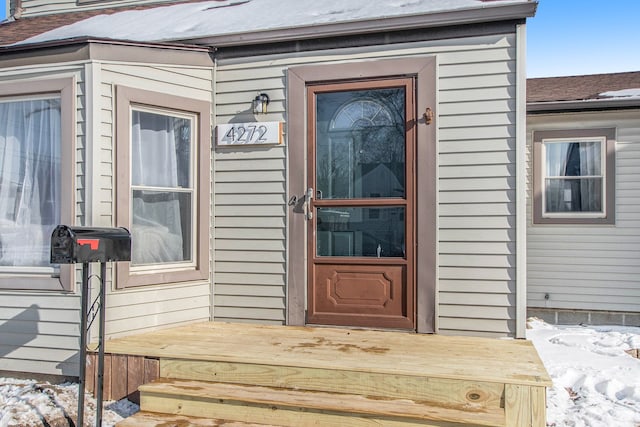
{"type": "Point", "coordinates": [457, 393]}
{"type": "Point", "coordinates": [148, 419]}
{"type": "Point", "coordinates": [396, 353]}
{"type": "Point", "coordinates": [236, 397]}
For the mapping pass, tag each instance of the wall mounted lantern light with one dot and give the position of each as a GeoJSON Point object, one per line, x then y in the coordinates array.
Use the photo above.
{"type": "Point", "coordinates": [260, 103]}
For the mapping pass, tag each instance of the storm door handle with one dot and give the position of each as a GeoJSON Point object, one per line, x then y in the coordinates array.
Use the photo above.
{"type": "Point", "coordinates": [308, 197]}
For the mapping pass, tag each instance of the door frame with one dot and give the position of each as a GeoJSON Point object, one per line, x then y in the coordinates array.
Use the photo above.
{"type": "Point", "coordinates": [423, 69]}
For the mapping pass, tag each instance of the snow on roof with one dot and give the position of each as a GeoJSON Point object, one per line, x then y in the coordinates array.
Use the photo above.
{"type": "Point", "coordinates": [189, 21]}
{"type": "Point", "coordinates": [624, 93]}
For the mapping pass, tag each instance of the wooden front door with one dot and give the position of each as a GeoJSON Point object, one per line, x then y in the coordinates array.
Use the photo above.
{"type": "Point", "coordinates": [360, 203]}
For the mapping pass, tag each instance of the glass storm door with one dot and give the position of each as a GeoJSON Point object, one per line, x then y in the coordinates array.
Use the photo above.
{"type": "Point", "coordinates": [361, 183]}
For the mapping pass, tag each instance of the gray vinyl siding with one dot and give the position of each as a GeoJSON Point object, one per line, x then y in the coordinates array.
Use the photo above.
{"type": "Point", "coordinates": [590, 267]}
{"type": "Point", "coordinates": [144, 308]}
{"type": "Point", "coordinates": [45, 7]}
{"type": "Point", "coordinates": [250, 218]}
{"type": "Point", "coordinates": [477, 250]}
{"type": "Point", "coordinates": [476, 184]}
{"type": "Point", "coordinates": [39, 330]}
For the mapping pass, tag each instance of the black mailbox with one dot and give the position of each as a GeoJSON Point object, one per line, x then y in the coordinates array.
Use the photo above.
{"type": "Point", "coordinates": [70, 245]}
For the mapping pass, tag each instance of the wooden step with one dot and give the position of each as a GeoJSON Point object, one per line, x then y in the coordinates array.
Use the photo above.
{"type": "Point", "coordinates": [394, 353]}
{"type": "Point", "coordinates": [450, 392]}
{"type": "Point", "coordinates": [151, 419]}
{"type": "Point", "coordinates": [295, 408]}
{"type": "Point", "coordinates": [442, 380]}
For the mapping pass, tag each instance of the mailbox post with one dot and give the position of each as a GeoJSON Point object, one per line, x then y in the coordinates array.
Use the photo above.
{"type": "Point", "coordinates": [73, 245]}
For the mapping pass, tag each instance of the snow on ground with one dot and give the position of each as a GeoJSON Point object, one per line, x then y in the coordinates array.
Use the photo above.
{"type": "Point", "coordinates": [27, 403]}
{"type": "Point", "coordinates": [596, 383]}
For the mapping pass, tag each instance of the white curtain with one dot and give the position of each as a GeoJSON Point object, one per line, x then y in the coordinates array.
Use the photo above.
{"type": "Point", "coordinates": [590, 188]}
{"type": "Point", "coordinates": [574, 161]}
{"type": "Point", "coordinates": [556, 156]}
{"type": "Point", "coordinates": [30, 139]}
{"type": "Point", "coordinates": [158, 160]}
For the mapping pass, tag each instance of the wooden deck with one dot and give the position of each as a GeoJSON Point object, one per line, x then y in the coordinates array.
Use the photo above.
{"type": "Point", "coordinates": [298, 376]}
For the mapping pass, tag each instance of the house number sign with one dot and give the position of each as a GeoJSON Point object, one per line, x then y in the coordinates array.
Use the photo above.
{"type": "Point", "coordinates": [256, 133]}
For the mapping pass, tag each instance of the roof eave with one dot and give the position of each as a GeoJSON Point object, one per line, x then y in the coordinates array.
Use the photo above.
{"type": "Point", "coordinates": [98, 40]}
{"type": "Point", "coordinates": [467, 16]}
{"type": "Point", "coordinates": [89, 49]}
{"type": "Point", "coordinates": [582, 105]}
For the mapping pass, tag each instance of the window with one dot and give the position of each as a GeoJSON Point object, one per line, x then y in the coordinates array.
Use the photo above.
{"type": "Point", "coordinates": [35, 180]}
{"type": "Point", "coordinates": [163, 192]}
{"type": "Point", "coordinates": [574, 179]}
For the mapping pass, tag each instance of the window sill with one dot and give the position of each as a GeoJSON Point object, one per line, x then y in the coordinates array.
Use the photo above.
{"type": "Point", "coordinates": [128, 279]}
{"type": "Point", "coordinates": [574, 220]}
{"type": "Point", "coordinates": [33, 282]}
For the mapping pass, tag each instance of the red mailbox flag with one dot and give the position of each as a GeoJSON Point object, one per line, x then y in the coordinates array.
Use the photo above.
{"type": "Point", "coordinates": [93, 243]}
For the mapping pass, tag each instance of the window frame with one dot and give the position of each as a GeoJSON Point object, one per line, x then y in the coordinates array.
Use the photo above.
{"type": "Point", "coordinates": [127, 100]}
{"type": "Point", "coordinates": [607, 152]}
{"type": "Point", "coordinates": [64, 88]}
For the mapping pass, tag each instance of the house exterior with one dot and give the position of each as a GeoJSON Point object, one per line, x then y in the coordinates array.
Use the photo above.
{"type": "Point", "coordinates": [583, 244]}
{"type": "Point", "coordinates": [384, 186]}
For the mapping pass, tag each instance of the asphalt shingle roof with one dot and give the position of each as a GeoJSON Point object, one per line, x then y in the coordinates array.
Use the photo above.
{"type": "Point", "coordinates": [579, 88]}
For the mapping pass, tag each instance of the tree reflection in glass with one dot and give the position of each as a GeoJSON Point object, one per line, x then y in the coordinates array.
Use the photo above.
{"type": "Point", "coordinates": [360, 141]}
{"type": "Point", "coordinates": [360, 154]}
